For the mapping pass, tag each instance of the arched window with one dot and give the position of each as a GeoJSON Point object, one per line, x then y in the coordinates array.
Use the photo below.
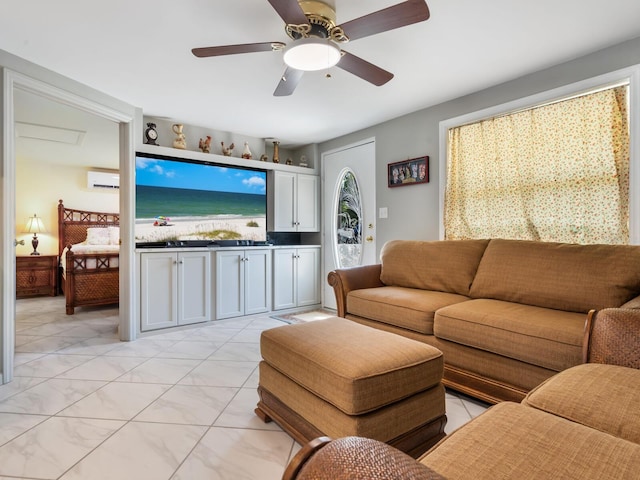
{"type": "Point", "coordinates": [348, 221]}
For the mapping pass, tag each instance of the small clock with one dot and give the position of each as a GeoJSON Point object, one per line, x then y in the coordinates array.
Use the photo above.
{"type": "Point", "coordinates": [151, 134]}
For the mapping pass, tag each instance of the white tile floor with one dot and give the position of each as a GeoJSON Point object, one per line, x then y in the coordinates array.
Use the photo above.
{"type": "Point", "coordinates": [176, 405]}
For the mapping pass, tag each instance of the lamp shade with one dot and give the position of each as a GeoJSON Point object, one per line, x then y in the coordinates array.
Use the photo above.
{"type": "Point", "coordinates": [34, 225]}
{"type": "Point", "coordinates": [310, 54]}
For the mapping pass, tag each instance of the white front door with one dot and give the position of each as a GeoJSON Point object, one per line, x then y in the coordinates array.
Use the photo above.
{"type": "Point", "coordinates": [349, 210]}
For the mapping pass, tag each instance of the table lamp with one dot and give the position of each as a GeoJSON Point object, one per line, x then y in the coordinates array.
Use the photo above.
{"type": "Point", "coordinates": [34, 225]}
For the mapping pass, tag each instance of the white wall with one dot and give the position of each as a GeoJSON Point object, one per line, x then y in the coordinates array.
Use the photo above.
{"type": "Point", "coordinates": [413, 211]}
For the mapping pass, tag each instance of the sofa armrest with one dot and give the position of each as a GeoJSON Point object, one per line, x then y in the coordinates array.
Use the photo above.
{"type": "Point", "coordinates": [633, 303]}
{"type": "Point", "coordinates": [612, 336]}
{"type": "Point", "coordinates": [354, 458]}
{"type": "Point", "coordinates": [344, 280]}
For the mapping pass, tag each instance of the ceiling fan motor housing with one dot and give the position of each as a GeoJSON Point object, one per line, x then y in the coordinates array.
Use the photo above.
{"type": "Point", "coordinates": [322, 23]}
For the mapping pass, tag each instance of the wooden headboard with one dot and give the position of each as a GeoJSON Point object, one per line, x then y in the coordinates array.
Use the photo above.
{"type": "Point", "coordinates": [73, 224]}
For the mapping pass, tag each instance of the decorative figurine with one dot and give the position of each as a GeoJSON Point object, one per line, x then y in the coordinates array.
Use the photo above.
{"type": "Point", "coordinates": [263, 157]}
{"type": "Point", "coordinates": [151, 134]}
{"type": "Point", "coordinates": [227, 152]}
{"type": "Point", "coordinates": [247, 152]}
{"type": "Point", "coordinates": [276, 152]}
{"type": "Point", "coordinates": [181, 140]}
{"type": "Point", "coordinates": [303, 161]}
{"type": "Point", "coordinates": [288, 162]}
{"type": "Point", "coordinates": [205, 145]}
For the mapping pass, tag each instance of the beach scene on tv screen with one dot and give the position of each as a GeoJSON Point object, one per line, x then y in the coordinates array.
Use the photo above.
{"type": "Point", "coordinates": [178, 200]}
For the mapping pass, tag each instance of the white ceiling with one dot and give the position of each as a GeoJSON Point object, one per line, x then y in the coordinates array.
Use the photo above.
{"type": "Point", "coordinates": [139, 51]}
{"type": "Point", "coordinates": [96, 144]}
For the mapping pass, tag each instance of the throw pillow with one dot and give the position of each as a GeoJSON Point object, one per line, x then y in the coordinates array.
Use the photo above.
{"type": "Point", "coordinates": [97, 236]}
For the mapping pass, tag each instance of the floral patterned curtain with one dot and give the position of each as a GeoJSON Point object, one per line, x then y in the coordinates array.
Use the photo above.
{"type": "Point", "coordinates": [559, 172]}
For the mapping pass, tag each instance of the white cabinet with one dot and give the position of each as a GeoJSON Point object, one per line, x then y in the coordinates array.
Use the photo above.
{"type": "Point", "coordinates": [296, 277]}
{"type": "Point", "coordinates": [175, 289]}
{"type": "Point", "coordinates": [243, 282]}
{"type": "Point", "coordinates": [293, 202]}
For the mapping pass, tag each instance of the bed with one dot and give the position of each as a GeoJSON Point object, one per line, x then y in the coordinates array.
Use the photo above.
{"type": "Point", "coordinates": [88, 248]}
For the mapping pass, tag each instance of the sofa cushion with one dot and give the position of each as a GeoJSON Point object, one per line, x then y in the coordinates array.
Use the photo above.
{"type": "Point", "coordinates": [444, 266]}
{"type": "Point", "coordinates": [540, 336]}
{"type": "Point", "coordinates": [408, 308]}
{"type": "Point", "coordinates": [596, 395]}
{"type": "Point", "coordinates": [514, 441]}
{"type": "Point", "coordinates": [569, 277]}
{"type": "Point", "coordinates": [321, 357]}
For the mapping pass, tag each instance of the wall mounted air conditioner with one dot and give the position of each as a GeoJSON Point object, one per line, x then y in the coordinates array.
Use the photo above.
{"type": "Point", "coordinates": [108, 180]}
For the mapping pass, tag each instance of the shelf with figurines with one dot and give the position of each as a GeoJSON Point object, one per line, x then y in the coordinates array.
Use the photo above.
{"type": "Point", "coordinates": [226, 152]}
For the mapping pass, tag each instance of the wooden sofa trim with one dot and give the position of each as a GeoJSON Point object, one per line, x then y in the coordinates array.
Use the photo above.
{"type": "Point", "coordinates": [305, 453]}
{"type": "Point", "coordinates": [480, 387]}
{"type": "Point", "coordinates": [354, 458]}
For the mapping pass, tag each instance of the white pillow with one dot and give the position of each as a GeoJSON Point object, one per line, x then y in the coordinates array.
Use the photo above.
{"type": "Point", "coordinates": [114, 235]}
{"type": "Point", "coordinates": [97, 236]}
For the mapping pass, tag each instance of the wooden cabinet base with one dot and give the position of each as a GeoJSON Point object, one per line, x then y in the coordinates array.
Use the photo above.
{"type": "Point", "coordinates": [413, 443]}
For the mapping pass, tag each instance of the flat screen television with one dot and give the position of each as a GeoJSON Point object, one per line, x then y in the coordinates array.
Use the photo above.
{"type": "Point", "coordinates": [180, 199]}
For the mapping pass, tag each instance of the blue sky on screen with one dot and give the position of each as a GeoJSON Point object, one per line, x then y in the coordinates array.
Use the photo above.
{"type": "Point", "coordinates": [196, 176]}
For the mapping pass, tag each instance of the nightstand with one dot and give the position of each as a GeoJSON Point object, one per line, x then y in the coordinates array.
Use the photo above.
{"type": "Point", "coordinates": [36, 275]}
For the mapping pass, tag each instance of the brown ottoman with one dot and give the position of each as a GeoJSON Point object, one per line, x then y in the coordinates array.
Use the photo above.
{"type": "Point", "coordinates": [337, 378]}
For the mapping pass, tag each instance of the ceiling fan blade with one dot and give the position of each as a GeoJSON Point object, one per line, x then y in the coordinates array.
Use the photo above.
{"type": "Point", "coordinates": [396, 16]}
{"type": "Point", "coordinates": [289, 11]}
{"type": "Point", "coordinates": [288, 83]}
{"type": "Point", "coordinates": [363, 69]}
{"type": "Point", "coordinates": [234, 49]}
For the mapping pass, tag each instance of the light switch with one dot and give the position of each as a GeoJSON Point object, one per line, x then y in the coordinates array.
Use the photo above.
{"type": "Point", "coordinates": [383, 212]}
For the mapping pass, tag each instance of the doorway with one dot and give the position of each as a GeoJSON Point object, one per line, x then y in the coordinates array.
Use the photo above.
{"type": "Point", "coordinates": [12, 82]}
{"type": "Point", "coordinates": [349, 206]}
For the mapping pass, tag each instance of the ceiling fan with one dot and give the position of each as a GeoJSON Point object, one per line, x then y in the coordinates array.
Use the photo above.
{"type": "Point", "coordinates": [316, 39]}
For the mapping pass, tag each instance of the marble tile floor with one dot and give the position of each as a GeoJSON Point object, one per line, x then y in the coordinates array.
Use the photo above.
{"type": "Point", "coordinates": [176, 405]}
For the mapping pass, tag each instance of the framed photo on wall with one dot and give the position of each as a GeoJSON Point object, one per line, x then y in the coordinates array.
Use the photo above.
{"type": "Point", "coordinates": [408, 172]}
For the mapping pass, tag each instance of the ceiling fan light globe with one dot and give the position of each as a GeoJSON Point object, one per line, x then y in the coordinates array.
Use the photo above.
{"type": "Point", "coordinates": [311, 54]}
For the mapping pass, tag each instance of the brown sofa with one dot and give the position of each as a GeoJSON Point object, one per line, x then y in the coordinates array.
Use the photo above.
{"type": "Point", "coordinates": [506, 314]}
{"type": "Point", "coordinates": [583, 423]}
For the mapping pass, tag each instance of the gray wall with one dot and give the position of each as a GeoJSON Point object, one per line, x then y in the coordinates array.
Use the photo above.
{"type": "Point", "coordinates": [413, 211]}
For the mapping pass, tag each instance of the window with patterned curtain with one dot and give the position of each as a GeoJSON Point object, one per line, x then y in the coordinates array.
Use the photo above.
{"type": "Point", "coordinates": [557, 172]}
